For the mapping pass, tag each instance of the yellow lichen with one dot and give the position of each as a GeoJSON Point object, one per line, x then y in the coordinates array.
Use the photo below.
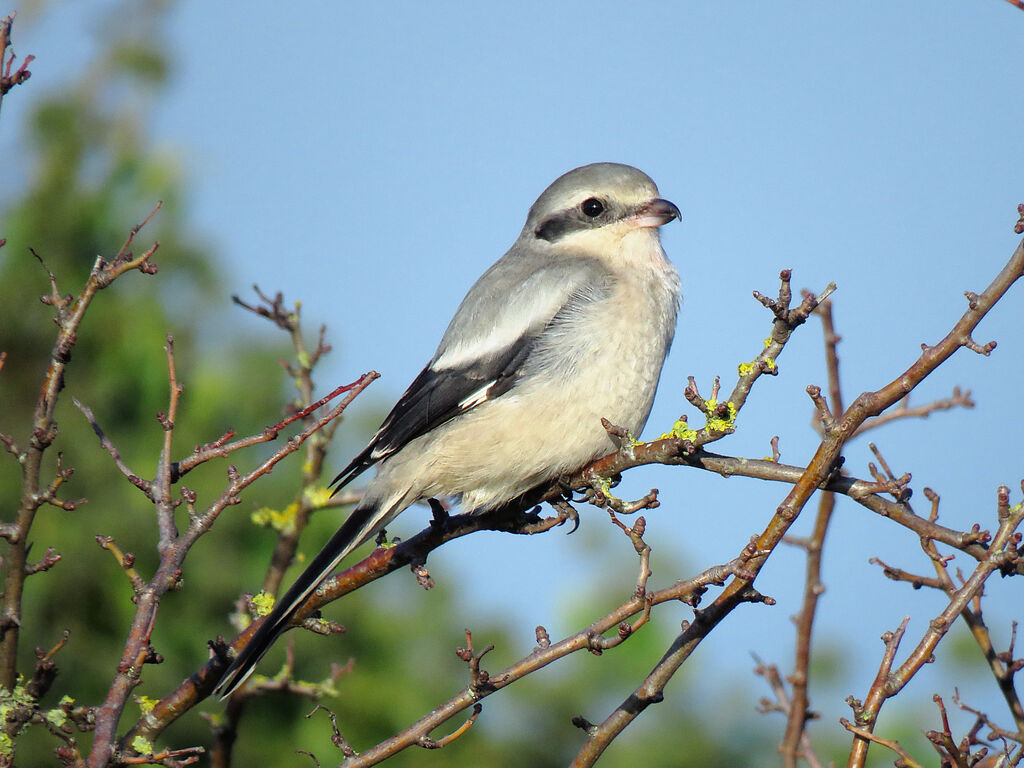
{"type": "Point", "coordinates": [605, 487]}
{"type": "Point", "coordinates": [263, 603]}
{"type": "Point", "coordinates": [318, 496]}
{"type": "Point", "coordinates": [56, 717]}
{"type": "Point", "coordinates": [9, 700]}
{"type": "Point", "coordinates": [280, 520]}
{"type": "Point", "coordinates": [680, 430]}
{"type": "Point", "coordinates": [145, 703]}
{"type": "Point", "coordinates": [720, 423]}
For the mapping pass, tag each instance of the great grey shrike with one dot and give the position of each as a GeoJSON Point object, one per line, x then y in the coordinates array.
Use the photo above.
{"type": "Point", "coordinates": [571, 325]}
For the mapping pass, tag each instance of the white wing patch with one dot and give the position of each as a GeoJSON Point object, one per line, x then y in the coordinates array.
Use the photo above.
{"type": "Point", "coordinates": [472, 350]}
{"type": "Point", "coordinates": [482, 395]}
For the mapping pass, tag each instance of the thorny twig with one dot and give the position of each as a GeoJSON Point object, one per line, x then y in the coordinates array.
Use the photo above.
{"type": "Point", "coordinates": [175, 549]}
{"type": "Point", "coordinates": [10, 79]}
{"type": "Point", "coordinates": [819, 470]}
{"type": "Point", "coordinates": [795, 742]}
{"type": "Point", "coordinates": [174, 546]}
{"type": "Point", "coordinates": [784, 704]}
{"type": "Point", "coordinates": [591, 638]}
{"type": "Point", "coordinates": [69, 314]}
{"type": "Point", "coordinates": [890, 681]}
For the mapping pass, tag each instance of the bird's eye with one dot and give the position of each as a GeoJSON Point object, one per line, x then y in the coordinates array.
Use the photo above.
{"type": "Point", "coordinates": [592, 207]}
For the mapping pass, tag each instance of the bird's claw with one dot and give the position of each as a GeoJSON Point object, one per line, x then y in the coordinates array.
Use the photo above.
{"type": "Point", "coordinates": [567, 511]}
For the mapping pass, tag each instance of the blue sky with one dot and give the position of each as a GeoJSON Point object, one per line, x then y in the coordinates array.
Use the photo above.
{"type": "Point", "coordinates": [373, 160]}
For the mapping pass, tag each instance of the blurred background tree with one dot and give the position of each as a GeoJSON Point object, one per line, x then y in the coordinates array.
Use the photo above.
{"type": "Point", "coordinates": [92, 174]}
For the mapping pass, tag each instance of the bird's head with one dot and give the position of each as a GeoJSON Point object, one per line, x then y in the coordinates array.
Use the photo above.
{"type": "Point", "coordinates": [596, 206]}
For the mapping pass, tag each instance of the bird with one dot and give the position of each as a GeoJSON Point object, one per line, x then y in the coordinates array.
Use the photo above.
{"type": "Point", "coordinates": [571, 325]}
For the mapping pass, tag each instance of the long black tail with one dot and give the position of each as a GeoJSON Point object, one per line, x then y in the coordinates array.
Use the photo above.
{"type": "Point", "coordinates": [360, 525]}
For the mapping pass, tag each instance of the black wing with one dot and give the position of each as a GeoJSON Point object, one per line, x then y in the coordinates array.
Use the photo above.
{"type": "Point", "coordinates": [435, 396]}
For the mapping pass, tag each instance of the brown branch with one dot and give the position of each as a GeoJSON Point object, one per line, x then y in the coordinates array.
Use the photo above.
{"type": "Point", "coordinates": [678, 449]}
{"type": "Point", "coordinates": [888, 683]}
{"type": "Point", "coordinates": [589, 638]}
{"type": "Point", "coordinates": [172, 757]}
{"type": "Point", "coordinates": [380, 562]}
{"type": "Point", "coordinates": [50, 559]}
{"type": "Point", "coordinates": [428, 743]}
{"type": "Point", "coordinates": [301, 372]}
{"type": "Point", "coordinates": [22, 709]}
{"type": "Point", "coordinates": [984, 720]}
{"type": "Point", "coordinates": [173, 553]}
{"type": "Point", "coordinates": [915, 580]}
{"type": "Point", "coordinates": [221, 448]}
{"type": "Point", "coordinates": [819, 470]}
{"type": "Point", "coordinates": [952, 753]}
{"type": "Point", "coordinates": [907, 760]}
{"type": "Point", "coordinates": [414, 550]}
{"type": "Point", "coordinates": [173, 549]}
{"type": "Point", "coordinates": [69, 315]}
{"type": "Point", "coordinates": [675, 451]}
{"type": "Point", "coordinates": [307, 499]}
{"type": "Point", "coordinates": [143, 485]}
{"type": "Point", "coordinates": [161, 486]}
{"type": "Point", "coordinates": [1002, 665]}
{"type": "Point", "coordinates": [60, 476]}
{"type": "Point", "coordinates": [794, 740]}
{"type": "Point", "coordinates": [124, 559]}
{"type": "Point", "coordinates": [784, 705]}
{"type": "Point", "coordinates": [959, 399]}
{"type": "Point", "coordinates": [336, 738]}
{"type": "Point", "coordinates": [10, 79]}
{"type": "Point", "coordinates": [201, 523]}
{"type": "Point", "coordinates": [651, 690]}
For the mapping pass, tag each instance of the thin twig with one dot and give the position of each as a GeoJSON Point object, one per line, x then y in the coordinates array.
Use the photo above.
{"type": "Point", "coordinates": [793, 741]}
{"type": "Point", "coordinates": [69, 315]}
{"type": "Point", "coordinates": [820, 469]}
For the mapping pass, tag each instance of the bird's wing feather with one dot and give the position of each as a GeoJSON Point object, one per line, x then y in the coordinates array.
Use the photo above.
{"type": "Point", "coordinates": [467, 370]}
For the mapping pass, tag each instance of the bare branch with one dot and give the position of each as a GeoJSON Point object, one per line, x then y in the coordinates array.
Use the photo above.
{"type": "Point", "coordinates": [784, 705]}
{"type": "Point", "coordinates": [10, 79]}
{"type": "Point", "coordinates": [908, 760]}
{"type": "Point", "coordinates": [69, 315]}
{"type": "Point", "coordinates": [959, 399]}
{"type": "Point", "coordinates": [588, 638]}
{"type": "Point", "coordinates": [889, 682]}
{"type": "Point", "coordinates": [818, 472]}
{"type": "Point", "coordinates": [795, 742]}
{"type": "Point", "coordinates": [143, 485]}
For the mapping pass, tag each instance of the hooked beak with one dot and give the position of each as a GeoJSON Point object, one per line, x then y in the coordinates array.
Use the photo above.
{"type": "Point", "coordinates": [656, 213]}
